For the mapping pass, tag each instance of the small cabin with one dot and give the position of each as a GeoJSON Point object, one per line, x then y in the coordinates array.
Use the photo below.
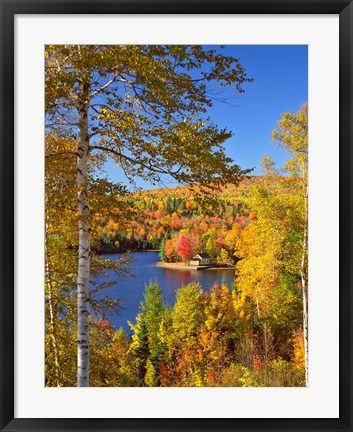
{"type": "Point", "coordinates": [200, 259]}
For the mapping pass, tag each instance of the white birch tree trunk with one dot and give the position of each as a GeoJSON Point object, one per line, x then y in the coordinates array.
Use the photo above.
{"type": "Point", "coordinates": [84, 243]}
{"type": "Point", "coordinates": [304, 285]}
{"type": "Point", "coordinates": [52, 320]}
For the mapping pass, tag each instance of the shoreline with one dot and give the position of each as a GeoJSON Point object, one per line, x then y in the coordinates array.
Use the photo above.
{"type": "Point", "coordinates": [114, 252]}
{"type": "Point", "coordinates": [181, 266]}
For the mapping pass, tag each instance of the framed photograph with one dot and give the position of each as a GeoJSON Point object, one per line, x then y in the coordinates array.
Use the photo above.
{"type": "Point", "coordinates": [174, 179]}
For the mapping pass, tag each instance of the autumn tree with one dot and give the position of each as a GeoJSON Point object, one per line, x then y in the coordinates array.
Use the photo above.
{"type": "Point", "coordinates": [109, 359]}
{"type": "Point", "coordinates": [273, 249]}
{"type": "Point", "coordinates": [224, 258]}
{"type": "Point", "coordinates": [217, 333]}
{"type": "Point", "coordinates": [291, 134]}
{"type": "Point", "coordinates": [169, 250]}
{"type": "Point", "coordinates": [143, 106]}
{"type": "Point", "coordinates": [59, 273]}
{"type": "Point", "coordinates": [61, 246]}
{"type": "Point", "coordinates": [187, 319]}
{"type": "Point", "coordinates": [260, 247]}
{"type": "Point", "coordinates": [184, 247]}
{"type": "Point", "coordinates": [269, 269]}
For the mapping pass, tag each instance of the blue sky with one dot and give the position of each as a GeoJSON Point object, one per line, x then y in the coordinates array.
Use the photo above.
{"type": "Point", "coordinates": [280, 74]}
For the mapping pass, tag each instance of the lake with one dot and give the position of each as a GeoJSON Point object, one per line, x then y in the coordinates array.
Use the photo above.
{"type": "Point", "coordinates": [143, 270]}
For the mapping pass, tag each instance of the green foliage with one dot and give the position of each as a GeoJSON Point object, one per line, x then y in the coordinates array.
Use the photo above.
{"type": "Point", "coordinates": [146, 344]}
{"type": "Point", "coordinates": [162, 254]}
{"type": "Point", "coordinates": [153, 309]}
{"type": "Point", "coordinates": [286, 305]}
{"type": "Point", "coordinates": [139, 348]}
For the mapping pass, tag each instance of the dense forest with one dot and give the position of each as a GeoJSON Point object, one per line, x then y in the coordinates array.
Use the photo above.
{"type": "Point", "coordinates": [145, 107]}
{"type": "Point", "coordinates": [213, 338]}
{"type": "Point", "coordinates": [174, 219]}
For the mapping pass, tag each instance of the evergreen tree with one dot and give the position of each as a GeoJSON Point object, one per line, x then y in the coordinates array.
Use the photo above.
{"type": "Point", "coordinates": [146, 342]}
{"type": "Point", "coordinates": [162, 254]}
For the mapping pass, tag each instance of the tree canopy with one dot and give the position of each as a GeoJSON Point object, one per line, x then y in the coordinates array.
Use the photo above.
{"type": "Point", "coordinates": [147, 106]}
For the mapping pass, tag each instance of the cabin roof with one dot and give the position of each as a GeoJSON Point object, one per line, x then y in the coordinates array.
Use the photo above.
{"type": "Point", "coordinates": [202, 255]}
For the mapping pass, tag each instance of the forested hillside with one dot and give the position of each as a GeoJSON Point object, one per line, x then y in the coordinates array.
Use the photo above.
{"type": "Point", "coordinates": [179, 224]}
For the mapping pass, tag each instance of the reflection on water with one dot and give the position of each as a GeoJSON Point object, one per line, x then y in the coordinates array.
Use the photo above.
{"type": "Point", "coordinates": [130, 289]}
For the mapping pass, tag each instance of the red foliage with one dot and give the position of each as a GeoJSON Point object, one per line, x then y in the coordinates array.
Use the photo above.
{"type": "Point", "coordinates": [211, 377]}
{"type": "Point", "coordinates": [184, 247]}
{"type": "Point", "coordinates": [104, 324]}
{"type": "Point", "coordinates": [257, 362]}
{"type": "Point", "coordinates": [175, 222]}
{"type": "Point", "coordinates": [167, 376]}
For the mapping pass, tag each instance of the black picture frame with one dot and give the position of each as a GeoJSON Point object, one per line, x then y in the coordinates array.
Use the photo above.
{"type": "Point", "coordinates": [8, 11]}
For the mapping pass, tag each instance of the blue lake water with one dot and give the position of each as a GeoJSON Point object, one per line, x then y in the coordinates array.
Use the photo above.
{"type": "Point", "coordinates": [143, 270]}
